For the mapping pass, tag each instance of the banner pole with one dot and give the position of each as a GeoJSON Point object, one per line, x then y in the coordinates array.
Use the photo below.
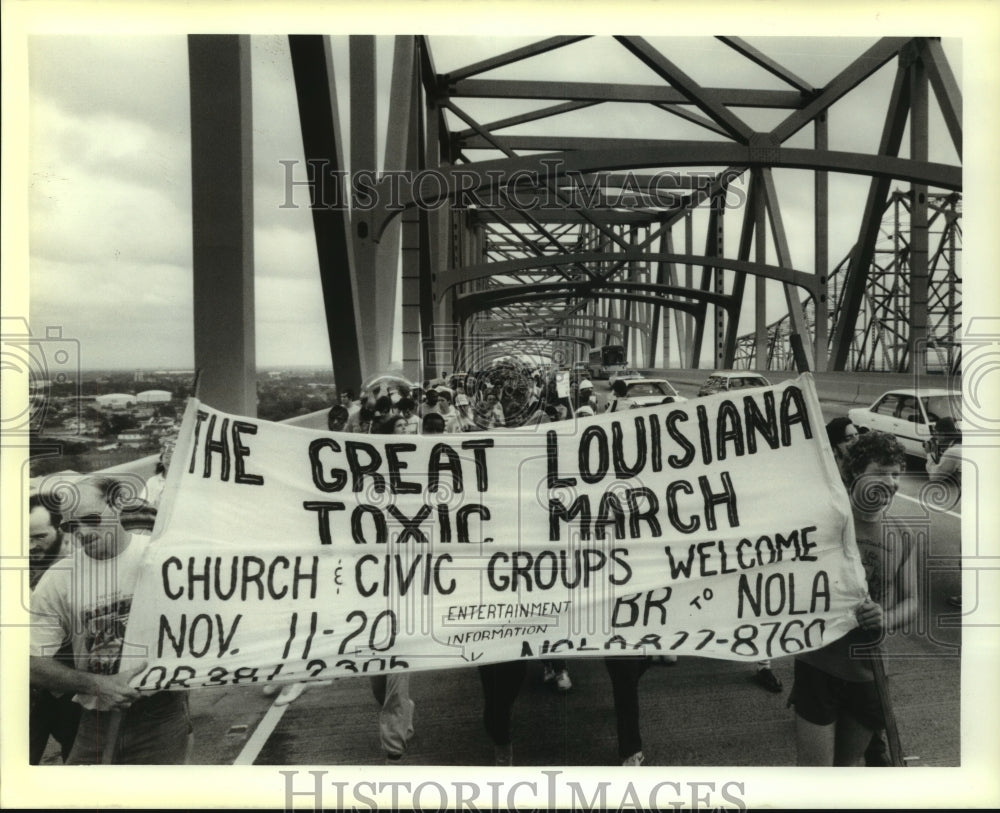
{"type": "Point", "coordinates": [882, 690]}
{"type": "Point", "coordinates": [114, 727]}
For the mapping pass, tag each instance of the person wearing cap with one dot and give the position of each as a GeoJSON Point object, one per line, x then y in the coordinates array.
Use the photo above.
{"type": "Point", "coordinates": [464, 407]}
{"type": "Point", "coordinates": [586, 394]}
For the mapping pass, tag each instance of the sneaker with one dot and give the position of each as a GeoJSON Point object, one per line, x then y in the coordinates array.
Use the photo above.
{"type": "Point", "coordinates": [768, 680]}
{"type": "Point", "coordinates": [271, 689]}
{"type": "Point", "coordinates": [503, 754]}
{"type": "Point", "coordinates": [563, 683]}
{"type": "Point", "coordinates": [635, 760]}
{"type": "Point", "coordinates": [664, 660]}
{"type": "Point", "coordinates": [290, 694]}
{"type": "Point", "coordinates": [393, 759]}
{"type": "Point", "coordinates": [955, 601]}
{"type": "Point", "coordinates": [548, 674]}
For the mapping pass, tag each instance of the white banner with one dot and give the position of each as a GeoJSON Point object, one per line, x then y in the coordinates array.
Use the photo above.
{"type": "Point", "coordinates": [716, 527]}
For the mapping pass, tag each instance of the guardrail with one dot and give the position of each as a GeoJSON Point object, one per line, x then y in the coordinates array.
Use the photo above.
{"type": "Point", "coordinates": [847, 388]}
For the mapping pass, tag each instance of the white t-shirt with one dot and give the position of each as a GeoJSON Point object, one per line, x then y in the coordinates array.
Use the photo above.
{"type": "Point", "coordinates": [154, 489]}
{"type": "Point", "coordinates": [87, 601]}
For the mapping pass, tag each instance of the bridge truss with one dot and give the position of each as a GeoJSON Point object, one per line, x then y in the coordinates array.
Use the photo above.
{"type": "Point", "coordinates": [574, 191]}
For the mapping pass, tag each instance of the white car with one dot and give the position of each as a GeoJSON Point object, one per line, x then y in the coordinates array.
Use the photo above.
{"type": "Point", "coordinates": [642, 392]}
{"type": "Point", "coordinates": [624, 373]}
{"type": "Point", "coordinates": [726, 380]}
{"type": "Point", "coordinates": [909, 414]}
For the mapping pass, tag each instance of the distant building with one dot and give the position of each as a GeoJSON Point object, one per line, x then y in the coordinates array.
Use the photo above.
{"type": "Point", "coordinates": [115, 400]}
{"type": "Point", "coordinates": [132, 440]}
{"type": "Point", "coordinates": [154, 397]}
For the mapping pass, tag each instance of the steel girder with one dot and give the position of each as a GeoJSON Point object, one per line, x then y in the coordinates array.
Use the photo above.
{"type": "Point", "coordinates": [483, 247]}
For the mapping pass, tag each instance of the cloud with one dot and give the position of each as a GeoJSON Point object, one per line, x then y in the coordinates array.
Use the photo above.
{"type": "Point", "coordinates": [82, 215]}
{"type": "Point", "coordinates": [290, 322]}
{"type": "Point", "coordinates": [281, 252]}
{"type": "Point", "coordinates": [122, 314]}
{"type": "Point", "coordinates": [136, 77]}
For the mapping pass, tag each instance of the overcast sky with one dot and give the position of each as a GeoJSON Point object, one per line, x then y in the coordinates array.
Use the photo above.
{"type": "Point", "coordinates": [109, 163]}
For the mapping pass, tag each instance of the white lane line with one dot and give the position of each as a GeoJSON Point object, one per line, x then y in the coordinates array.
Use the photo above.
{"type": "Point", "coordinates": [260, 735]}
{"type": "Point", "coordinates": [935, 510]}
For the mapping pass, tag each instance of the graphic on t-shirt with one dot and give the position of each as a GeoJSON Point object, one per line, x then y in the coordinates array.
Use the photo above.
{"type": "Point", "coordinates": [105, 634]}
{"type": "Point", "coordinates": [874, 557]}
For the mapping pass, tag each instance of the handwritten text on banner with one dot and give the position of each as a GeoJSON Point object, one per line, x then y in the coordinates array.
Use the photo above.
{"type": "Point", "coordinates": [715, 527]}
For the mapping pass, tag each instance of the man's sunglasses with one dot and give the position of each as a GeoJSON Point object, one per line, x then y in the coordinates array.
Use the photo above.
{"type": "Point", "coordinates": [87, 520]}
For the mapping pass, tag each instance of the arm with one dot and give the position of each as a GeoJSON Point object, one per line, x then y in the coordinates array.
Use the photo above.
{"type": "Point", "coordinates": [114, 689]}
{"type": "Point", "coordinates": [873, 617]}
{"type": "Point", "coordinates": [906, 608]}
{"type": "Point", "coordinates": [946, 464]}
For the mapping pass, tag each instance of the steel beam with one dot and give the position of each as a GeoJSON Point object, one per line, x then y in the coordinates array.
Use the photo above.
{"type": "Point", "coordinates": [853, 75]}
{"type": "Point", "coordinates": [946, 91]}
{"type": "Point", "coordinates": [878, 191]}
{"type": "Point", "coordinates": [456, 276]}
{"type": "Point", "coordinates": [510, 57]}
{"type": "Point", "coordinates": [705, 100]}
{"type": "Point", "coordinates": [472, 306]}
{"type": "Point", "coordinates": [222, 221]}
{"type": "Point", "coordinates": [363, 127]}
{"type": "Point", "coordinates": [795, 310]}
{"type": "Point", "coordinates": [616, 92]}
{"type": "Point", "coordinates": [821, 243]}
{"type": "Point", "coordinates": [747, 230]}
{"type": "Point", "coordinates": [400, 132]}
{"type": "Point", "coordinates": [768, 64]}
{"type": "Point", "coordinates": [760, 290]}
{"type": "Point", "coordinates": [622, 154]}
{"type": "Point", "coordinates": [315, 88]}
{"type": "Point", "coordinates": [525, 118]}
{"type": "Point", "coordinates": [919, 273]}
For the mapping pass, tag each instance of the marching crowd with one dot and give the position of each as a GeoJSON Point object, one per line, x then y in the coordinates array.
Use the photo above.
{"type": "Point", "coordinates": [80, 693]}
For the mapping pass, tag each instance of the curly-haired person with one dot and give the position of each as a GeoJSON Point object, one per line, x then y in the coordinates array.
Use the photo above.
{"type": "Point", "coordinates": [837, 706]}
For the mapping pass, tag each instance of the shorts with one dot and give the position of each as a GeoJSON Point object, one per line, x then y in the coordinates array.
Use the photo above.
{"type": "Point", "coordinates": [154, 730]}
{"type": "Point", "coordinates": [821, 698]}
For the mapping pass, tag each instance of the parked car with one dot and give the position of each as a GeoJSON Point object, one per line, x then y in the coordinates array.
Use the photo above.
{"type": "Point", "coordinates": [625, 372]}
{"type": "Point", "coordinates": [725, 380]}
{"type": "Point", "coordinates": [909, 414]}
{"type": "Point", "coordinates": [642, 392]}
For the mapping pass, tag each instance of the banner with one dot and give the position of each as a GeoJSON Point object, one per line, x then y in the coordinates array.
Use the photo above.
{"type": "Point", "coordinates": [716, 527]}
